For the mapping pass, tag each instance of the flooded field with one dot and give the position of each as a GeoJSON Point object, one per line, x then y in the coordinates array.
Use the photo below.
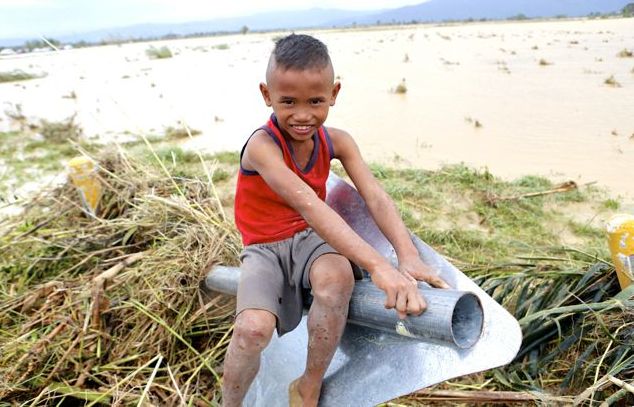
{"type": "Point", "coordinates": [551, 98]}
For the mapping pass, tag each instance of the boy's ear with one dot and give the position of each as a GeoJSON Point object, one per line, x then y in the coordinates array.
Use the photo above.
{"type": "Point", "coordinates": [335, 91]}
{"type": "Point", "coordinates": [264, 90]}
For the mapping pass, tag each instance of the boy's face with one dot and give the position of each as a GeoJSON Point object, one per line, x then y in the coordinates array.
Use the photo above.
{"type": "Point", "coordinates": [300, 98]}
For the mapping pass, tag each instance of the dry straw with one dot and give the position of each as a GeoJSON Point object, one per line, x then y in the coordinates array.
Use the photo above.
{"type": "Point", "coordinates": [108, 309]}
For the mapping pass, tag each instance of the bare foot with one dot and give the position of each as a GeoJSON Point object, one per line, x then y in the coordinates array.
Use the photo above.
{"type": "Point", "coordinates": [294, 398]}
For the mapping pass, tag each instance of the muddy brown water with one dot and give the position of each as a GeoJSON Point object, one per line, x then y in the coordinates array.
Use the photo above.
{"type": "Point", "coordinates": [537, 91]}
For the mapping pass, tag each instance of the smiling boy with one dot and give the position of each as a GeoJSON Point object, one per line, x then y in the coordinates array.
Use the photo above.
{"type": "Point", "coordinates": [294, 242]}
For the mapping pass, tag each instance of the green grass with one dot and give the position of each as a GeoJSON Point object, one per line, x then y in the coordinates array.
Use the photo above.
{"type": "Point", "coordinates": [177, 133]}
{"type": "Point", "coordinates": [451, 210]}
{"type": "Point", "coordinates": [30, 158]}
{"type": "Point", "coordinates": [187, 163]}
{"type": "Point", "coordinates": [611, 204]}
{"type": "Point", "coordinates": [173, 157]}
{"type": "Point", "coordinates": [586, 230]}
{"type": "Point", "coordinates": [159, 53]}
{"type": "Point", "coordinates": [15, 76]}
{"type": "Point", "coordinates": [61, 131]}
{"type": "Point", "coordinates": [227, 157]}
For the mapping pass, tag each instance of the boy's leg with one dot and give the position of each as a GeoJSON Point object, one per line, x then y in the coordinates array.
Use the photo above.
{"type": "Point", "coordinates": [252, 331]}
{"type": "Point", "coordinates": [260, 286]}
{"type": "Point", "coordinates": [332, 282]}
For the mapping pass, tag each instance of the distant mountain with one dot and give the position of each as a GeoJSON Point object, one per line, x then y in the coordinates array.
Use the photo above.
{"type": "Point", "coordinates": [315, 17]}
{"type": "Point", "coordinates": [266, 21]}
{"type": "Point", "coordinates": [432, 10]}
{"type": "Point", "coordinates": [439, 10]}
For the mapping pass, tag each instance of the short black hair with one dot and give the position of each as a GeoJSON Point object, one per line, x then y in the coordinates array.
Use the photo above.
{"type": "Point", "coordinates": [300, 51]}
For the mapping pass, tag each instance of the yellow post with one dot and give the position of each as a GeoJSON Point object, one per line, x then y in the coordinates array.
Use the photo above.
{"type": "Point", "coordinates": [83, 174]}
{"type": "Point", "coordinates": [621, 240]}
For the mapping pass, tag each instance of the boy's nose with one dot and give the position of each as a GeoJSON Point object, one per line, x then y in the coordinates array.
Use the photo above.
{"type": "Point", "coordinates": [302, 115]}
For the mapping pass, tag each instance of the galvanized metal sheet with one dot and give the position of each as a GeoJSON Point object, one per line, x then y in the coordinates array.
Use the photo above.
{"type": "Point", "coordinates": [372, 366]}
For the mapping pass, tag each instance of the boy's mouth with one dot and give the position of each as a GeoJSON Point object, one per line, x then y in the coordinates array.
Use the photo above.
{"type": "Point", "coordinates": [301, 129]}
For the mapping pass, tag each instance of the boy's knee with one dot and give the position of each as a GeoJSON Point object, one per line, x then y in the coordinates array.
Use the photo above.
{"type": "Point", "coordinates": [253, 329]}
{"type": "Point", "coordinates": [332, 279]}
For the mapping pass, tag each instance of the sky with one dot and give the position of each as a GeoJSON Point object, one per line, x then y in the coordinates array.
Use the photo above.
{"type": "Point", "coordinates": [28, 18]}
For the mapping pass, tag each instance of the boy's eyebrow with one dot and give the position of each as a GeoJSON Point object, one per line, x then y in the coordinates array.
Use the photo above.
{"type": "Point", "coordinates": [290, 98]}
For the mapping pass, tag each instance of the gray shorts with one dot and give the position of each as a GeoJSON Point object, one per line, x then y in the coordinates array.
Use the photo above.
{"type": "Point", "coordinates": [274, 276]}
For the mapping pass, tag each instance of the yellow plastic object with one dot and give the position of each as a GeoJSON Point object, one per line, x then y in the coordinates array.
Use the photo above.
{"type": "Point", "coordinates": [621, 239]}
{"type": "Point", "coordinates": [83, 174]}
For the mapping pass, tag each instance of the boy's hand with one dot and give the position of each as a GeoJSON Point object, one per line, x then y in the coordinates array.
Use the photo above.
{"type": "Point", "coordinates": [401, 290]}
{"type": "Point", "coordinates": [414, 267]}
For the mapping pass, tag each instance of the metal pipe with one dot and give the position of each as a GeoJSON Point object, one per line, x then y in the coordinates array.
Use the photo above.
{"type": "Point", "coordinates": [452, 316]}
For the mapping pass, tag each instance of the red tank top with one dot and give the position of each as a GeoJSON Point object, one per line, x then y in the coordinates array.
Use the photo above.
{"type": "Point", "coordinates": [262, 216]}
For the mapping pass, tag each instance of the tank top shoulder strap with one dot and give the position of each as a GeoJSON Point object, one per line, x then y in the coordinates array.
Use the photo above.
{"type": "Point", "coordinates": [271, 134]}
{"type": "Point", "coordinates": [323, 132]}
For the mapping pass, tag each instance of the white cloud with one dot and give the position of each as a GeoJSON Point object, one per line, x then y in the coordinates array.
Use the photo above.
{"type": "Point", "coordinates": [25, 3]}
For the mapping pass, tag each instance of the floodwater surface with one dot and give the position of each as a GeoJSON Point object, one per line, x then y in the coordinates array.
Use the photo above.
{"type": "Point", "coordinates": [553, 98]}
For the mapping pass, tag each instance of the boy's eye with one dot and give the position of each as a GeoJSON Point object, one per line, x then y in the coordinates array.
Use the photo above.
{"type": "Point", "coordinates": [316, 101]}
{"type": "Point", "coordinates": [287, 102]}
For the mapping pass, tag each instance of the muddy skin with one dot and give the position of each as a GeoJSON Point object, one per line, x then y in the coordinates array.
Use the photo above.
{"type": "Point", "coordinates": [332, 283]}
{"type": "Point", "coordinates": [252, 332]}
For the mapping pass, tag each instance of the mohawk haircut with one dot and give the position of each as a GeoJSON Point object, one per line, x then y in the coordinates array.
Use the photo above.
{"type": "Point", "coordinates": [301, 52]}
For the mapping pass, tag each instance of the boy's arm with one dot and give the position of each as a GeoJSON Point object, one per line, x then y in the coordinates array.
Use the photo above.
{"type": "Point", "coordinates": [382, 209]}
{"type": "Point", "coordinates": [264, 156]}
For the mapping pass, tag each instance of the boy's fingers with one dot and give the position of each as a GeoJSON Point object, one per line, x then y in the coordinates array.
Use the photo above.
{"type": "Point", "coordinates": [390, 300]}
{"type": "Point", "coordinates": [423, 303]}
{"type": "Point", "coordinates": [402, 304]}
{"type": "Point", "coordinates": [438, 282]}
{"type": "Point", "coordinates": [416, 305]}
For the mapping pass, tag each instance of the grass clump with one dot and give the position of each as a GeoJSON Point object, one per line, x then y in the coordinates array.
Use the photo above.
{"type": "Point", "coordinates": [227, 157]}
{"type": "Point", "coordinates": [611, 204]}
{"type": "Point", "coordinates": [476, 218]}
{"type": "Point", "coordinates": [179, 133]}
{"type": "Point", "coordinates": [475, 122]}
{"type": "Point", "coordinates": [625, 53]}
{"type": "Point", "coordinates": [221, 47]}
{"type": "Point", "coordinates": [85, 301]}
{"type": "Point", "coordinates": [17, 75]}
{"type": "Point", "coordinates": [60, 131]}
{"type": "Point", "coordinates": [611, 81]}
{"type": "Point", "coordinates": [401, 88]}
{"type": "Point", "coordinates": [543, 62]}
{"type": "Point", "coordinates": [29, 157]}
{"type": "Point", "coordinates": [159, 53]}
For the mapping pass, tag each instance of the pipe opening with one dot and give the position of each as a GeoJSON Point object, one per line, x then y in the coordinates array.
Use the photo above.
{"type": "Point", "coordinates": [467, 321]}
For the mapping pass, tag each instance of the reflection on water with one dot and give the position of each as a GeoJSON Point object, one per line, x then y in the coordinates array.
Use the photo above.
{"type": "Point", "coordinates": [517, 98]}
